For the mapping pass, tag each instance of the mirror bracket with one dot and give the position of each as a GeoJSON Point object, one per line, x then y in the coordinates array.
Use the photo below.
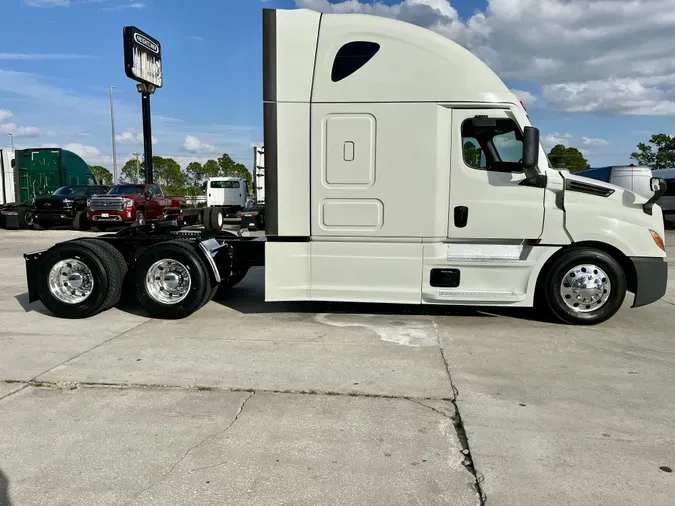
{"type": "Point", "coordinates": [663, 186]}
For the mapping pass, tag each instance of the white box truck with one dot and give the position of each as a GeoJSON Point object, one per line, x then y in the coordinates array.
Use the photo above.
{"type": "Point", "coordinates": [363, 115]}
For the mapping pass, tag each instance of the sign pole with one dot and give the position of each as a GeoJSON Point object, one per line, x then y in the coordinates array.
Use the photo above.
{"type": "Point", "coordinates": [146, 90]}
{"type": "Point", "coordinates": [143, 63]}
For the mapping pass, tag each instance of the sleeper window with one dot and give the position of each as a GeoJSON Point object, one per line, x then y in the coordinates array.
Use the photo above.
{"type": "Point", "coordinates": [351, 57]}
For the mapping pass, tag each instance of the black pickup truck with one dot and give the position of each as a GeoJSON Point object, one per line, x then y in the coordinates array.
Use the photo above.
{"type": "Point", "coordinates": [66, 206]}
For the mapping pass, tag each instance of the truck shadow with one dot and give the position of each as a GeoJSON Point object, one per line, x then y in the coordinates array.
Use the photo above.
{"type": "Point", "coordinates": [4, 490]}
{"type": "Point", "coordinates": [248, 297]}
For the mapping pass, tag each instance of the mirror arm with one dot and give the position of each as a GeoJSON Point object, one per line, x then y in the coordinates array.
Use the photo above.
{"type": "Point", "coordinates": [647, 207]}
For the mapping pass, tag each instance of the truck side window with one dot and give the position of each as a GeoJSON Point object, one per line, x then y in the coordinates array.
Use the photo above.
{"type": "Point", "coordinates": [157, 190]}
{"type": "Point", "coordinates": [497, 148]}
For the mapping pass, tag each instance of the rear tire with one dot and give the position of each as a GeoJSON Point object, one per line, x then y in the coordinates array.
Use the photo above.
{"type": "Point", "coordinates": [171, 271]}
{"type": "Point", "coordinates": [25, 217]}
{"type": "Point", "coordinates": [217, 220]}
{"type": "Point", "coordinates": [584, 286]}
{"type": "Point", "coordinates": [206, 217]}
{"type": "Point", "coordinates": [225, 286]}
{"type": "Point", "coordinates": [117, 259]}
{"type": "Point", "coordinates": [78, 266]}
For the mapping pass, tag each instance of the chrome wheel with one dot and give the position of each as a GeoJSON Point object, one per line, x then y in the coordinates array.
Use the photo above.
{"type": "Point", "coordinates": [140, 219]}
{"type": "Point", "coordinates": [168, 281]}
{"type": "Point", "coordinates": [585, 288]}
{"type": "Point", "coordinates": [71, 281]}
{"type": "Point", "coordinates": [28, 217]}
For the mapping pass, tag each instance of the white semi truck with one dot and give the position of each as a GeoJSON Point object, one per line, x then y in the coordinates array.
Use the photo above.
{"type": "Point", "coordinates": [363, 115]}
{"type": "Point", "coordinates": [7, 189]}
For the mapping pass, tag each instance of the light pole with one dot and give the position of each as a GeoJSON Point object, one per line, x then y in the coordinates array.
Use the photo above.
{"type": "Point", "coordinates": [112, 124]}
{"type": "Point", "coordinates": [11, 140]}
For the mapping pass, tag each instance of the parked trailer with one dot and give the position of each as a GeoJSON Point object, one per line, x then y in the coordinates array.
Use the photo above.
{"type": "Point", "coordinates": [507, 231]}
{"type": "Point", "coordinates": [38, 172]}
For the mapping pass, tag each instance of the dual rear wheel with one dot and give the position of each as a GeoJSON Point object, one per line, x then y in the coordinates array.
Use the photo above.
{"type": "Point", "coordinates": [83, 277]}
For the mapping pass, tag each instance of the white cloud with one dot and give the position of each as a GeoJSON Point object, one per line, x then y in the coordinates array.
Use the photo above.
{"type": "Point", "coordinates": [5, 115]}
{"type": "Point", "coordinates": [119, 7]}
{"type": "Point", "coordinates": [43, 56]}
{"type": "Point", "coordinates": [610, 56]}
{"type": "Point", "coordinates": [195, 37]}
{"type": "Point", "coordinates": [625, 96]}
{"type": "Point", "coordinates": [47, 3]}
{"type": "Point", "coordinates": [548, 141]}
{"type": "Point", "coordinates": [594, 142]}
{"type": "Point", "coordinates": [90, 154]}
{"type": "Point", "coordinates": [132, 136]}
{"type": "Point", "coordinates": [526, 97]}
{"type": "Point", "coordinates": [19, 131]}
{"type": "Point", "coordinates": [193, 145]}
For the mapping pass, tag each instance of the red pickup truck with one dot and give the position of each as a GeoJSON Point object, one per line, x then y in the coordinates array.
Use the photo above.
{"type": "Point", "coordinates": [133, 204]}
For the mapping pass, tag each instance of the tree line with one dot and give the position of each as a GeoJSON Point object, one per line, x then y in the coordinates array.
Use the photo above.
{"type": "Point", "coordinates": [175, 181]}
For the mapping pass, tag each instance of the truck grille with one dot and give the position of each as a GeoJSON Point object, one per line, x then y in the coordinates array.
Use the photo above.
{"type": "Point", "coordinates": [107, 204]}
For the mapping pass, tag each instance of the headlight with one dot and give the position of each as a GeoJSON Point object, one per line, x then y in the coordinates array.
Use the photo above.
{"type": "Point", "coordinates": [88, 202]}
{"type": "Point", "coordinates": [67, 203]}
{"type": "Point", "coordinates": [128, 203]}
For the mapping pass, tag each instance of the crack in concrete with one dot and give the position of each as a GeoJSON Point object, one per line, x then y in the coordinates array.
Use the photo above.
{"type": "Point", "coordinates": [9, 394]}
{"type": "Point", "coordinates": [459, 425]}
{"type": "Point", "coordinates": [194, 447]}
{"type": "Point", "coordinates": [445, 415]}
{"type": "Point", "coordinates": [72, 385]}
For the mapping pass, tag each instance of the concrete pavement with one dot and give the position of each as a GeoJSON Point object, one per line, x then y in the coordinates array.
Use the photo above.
{"type": "Point", "coordinates": [330, 404]}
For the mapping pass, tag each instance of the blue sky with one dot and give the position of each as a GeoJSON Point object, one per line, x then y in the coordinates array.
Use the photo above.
{"type": "Point", "coordinates": [58, 57]}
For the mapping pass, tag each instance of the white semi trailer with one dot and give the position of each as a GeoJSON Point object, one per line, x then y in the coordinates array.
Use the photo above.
{"type": "Point", "coordinates": [363, 115]}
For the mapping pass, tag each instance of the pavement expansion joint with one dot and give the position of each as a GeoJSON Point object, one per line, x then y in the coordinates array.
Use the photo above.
{"type": "Point", "coordinates": [459, 425]}
{"type": "Point", "coordinates": [73, 385]}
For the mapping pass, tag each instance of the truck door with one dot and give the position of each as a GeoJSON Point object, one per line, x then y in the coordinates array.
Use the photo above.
{"type": "Point", "coordinates": [488, 199]}
{"type": "Point", "coordinates": [216, 193]}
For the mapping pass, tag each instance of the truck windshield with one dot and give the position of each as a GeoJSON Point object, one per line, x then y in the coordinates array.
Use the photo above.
{"type": "Point", "coordinates": [126, 189]}
{"type": "Point", "coordinates": [71, 190]}
{"type": "Point", "coordinates": [224, 184]}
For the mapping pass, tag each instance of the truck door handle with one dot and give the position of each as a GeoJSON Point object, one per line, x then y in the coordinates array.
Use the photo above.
{"type": "Point", "coordinates": [461, 216]}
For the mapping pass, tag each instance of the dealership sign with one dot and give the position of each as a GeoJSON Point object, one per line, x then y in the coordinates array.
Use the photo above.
{"type": "Point", "coordinates": [142, 57]}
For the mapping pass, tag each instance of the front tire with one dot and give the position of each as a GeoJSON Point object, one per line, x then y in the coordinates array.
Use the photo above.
{"type": "Point", "coordinates": [584, 286]}
{"type": "Point", "coordinates": [171, 281]}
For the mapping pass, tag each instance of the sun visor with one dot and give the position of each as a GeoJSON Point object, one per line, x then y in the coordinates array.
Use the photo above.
{"type": "Point", "coordinates": [289, 49]}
